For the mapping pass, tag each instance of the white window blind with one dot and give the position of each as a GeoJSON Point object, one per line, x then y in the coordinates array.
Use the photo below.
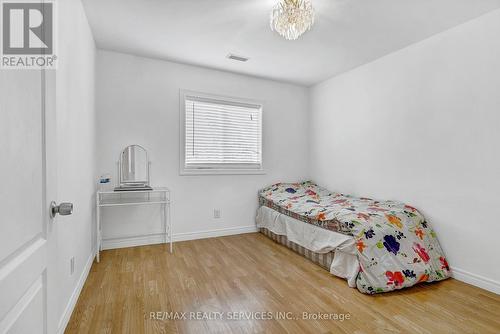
{"type": "Point", "coordinates": [222, 134]}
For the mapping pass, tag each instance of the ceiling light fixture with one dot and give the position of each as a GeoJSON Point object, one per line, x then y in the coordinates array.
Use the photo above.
{"type": "Point", "coordinates": [292, 18]}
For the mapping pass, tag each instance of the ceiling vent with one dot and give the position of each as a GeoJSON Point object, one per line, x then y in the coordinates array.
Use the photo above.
{"type": "Point", "coordinates": [237, 58]}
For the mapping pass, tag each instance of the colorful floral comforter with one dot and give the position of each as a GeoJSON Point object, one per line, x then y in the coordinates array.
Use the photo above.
{"type": "Point", "coordinates": [396, 247]}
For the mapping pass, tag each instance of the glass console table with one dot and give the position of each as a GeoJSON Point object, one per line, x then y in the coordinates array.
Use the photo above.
{"type": "Point", "coordinates": [157, 196]}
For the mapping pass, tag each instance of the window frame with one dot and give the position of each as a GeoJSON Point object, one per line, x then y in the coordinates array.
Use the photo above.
{"type": "Point", "coordinates": [238, 169]}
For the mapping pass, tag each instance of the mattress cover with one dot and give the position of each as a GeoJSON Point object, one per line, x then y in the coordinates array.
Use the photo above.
{"type": "Point", "coordinates": [395, 245]}
{"type": "Point", "coordinates": [345, 262]}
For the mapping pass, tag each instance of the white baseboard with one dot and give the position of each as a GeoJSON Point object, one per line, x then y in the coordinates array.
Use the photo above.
{"type": "Point", "coordinates": [214, 233]}
{"type": "Point", "coordinates": [113, 243]}
{"type": "Point", "coordinates": [63, 322]}
{"type": "Point", "coordinates": [476, 280]}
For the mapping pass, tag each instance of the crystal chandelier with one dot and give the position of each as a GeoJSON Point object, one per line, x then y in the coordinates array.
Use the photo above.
{"type": "Point", "coordinates": [292, 18]}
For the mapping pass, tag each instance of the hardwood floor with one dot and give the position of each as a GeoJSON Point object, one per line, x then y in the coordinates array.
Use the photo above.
{"type": "Point", "coordinates": [250, 273]}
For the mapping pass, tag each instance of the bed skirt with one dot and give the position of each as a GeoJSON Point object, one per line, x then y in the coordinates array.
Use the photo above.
{"type": "Point", "coordinates": [323, 260]}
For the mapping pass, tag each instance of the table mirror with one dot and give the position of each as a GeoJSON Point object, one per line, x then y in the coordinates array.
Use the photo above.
{"type": "Point", "coordinates": [133, 169]}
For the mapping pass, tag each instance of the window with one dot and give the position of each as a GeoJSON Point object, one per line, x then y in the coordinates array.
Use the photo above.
{"type": "Point", "coordinates": [220, 135]}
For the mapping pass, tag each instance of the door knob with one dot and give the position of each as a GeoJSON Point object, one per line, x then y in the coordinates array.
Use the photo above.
{"type": "Point", "coordinates": [64, 209]}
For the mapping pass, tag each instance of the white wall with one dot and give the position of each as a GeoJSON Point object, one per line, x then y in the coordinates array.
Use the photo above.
{"type": "Point", "coordinates": [76, 135]}
{"type": "Point", "coordinates": [421, 125]}
{"type": "Point", "coordinates": [138, 103]}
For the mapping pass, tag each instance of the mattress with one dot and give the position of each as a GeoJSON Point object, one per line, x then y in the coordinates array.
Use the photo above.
{"type": "Point", "coordinates": [323, 260]}
{"type": "Point", "coordinates": [299, 201]}
{"type": "Point", "coordinates": [394, 244]}
{"type": "Point", "coordinates": [315, 243]}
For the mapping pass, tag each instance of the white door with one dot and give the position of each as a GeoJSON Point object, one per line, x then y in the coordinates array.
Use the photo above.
{"type": "Point", "coordinates": [27, 249]}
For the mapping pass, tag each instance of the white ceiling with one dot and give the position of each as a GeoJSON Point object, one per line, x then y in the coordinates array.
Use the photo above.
{"type": "Point", "coordinates": [347, 33]}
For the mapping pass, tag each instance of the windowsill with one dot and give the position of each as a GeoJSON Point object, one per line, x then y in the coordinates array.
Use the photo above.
{"type": "Point", "coordinates": [187, 172]}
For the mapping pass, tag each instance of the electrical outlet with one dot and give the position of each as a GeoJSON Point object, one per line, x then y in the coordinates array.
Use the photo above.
{"type": "Point", "coordinates": [72, 265]}
{"type": "Point", "coordinates": [216, 213]}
